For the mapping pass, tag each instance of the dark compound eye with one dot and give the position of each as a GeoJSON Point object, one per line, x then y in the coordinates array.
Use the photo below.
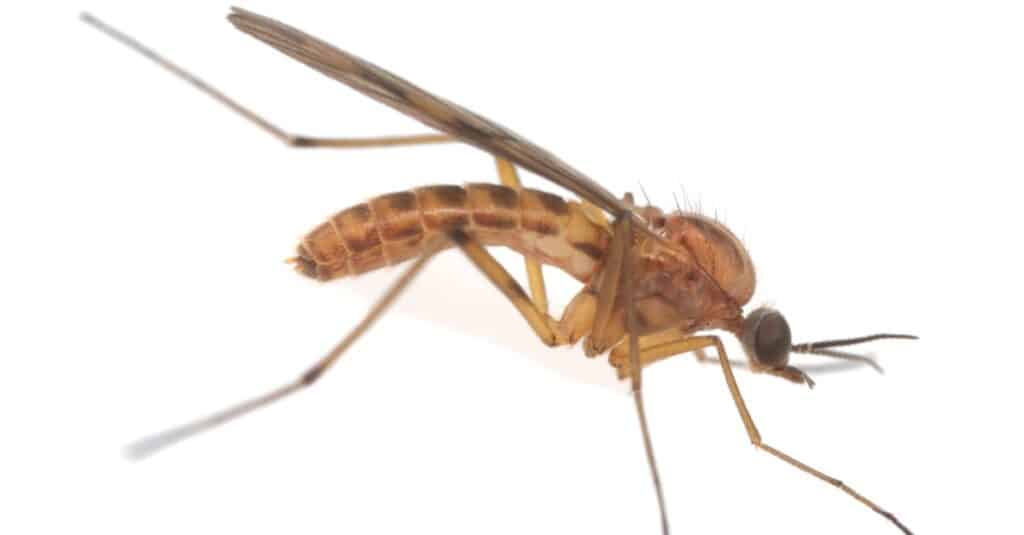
{"type": "Point", "coordinates": [767, 338]}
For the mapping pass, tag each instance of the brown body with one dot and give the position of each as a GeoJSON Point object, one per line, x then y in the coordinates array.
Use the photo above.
{"type": "Point", "coordinates": [689, 272]}
{"type": "Point", "coordinates": [395, 227]}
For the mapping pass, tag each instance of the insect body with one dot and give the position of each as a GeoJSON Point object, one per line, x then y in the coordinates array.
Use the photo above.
{"type": "Point", "coordinates": [697, 276]}
{"type": "Point", "coordinates": [651, 281]}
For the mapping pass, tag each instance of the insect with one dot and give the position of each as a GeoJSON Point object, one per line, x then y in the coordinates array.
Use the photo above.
{"type": "Point", "coordinates": [652, 281]}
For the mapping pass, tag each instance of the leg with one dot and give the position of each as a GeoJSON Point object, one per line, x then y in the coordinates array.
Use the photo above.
{"type": "Point", "coordinates": [755, 438]}
{"type": "Point", "coordinates": [149, 445]}
{"type": "Point", "coordinates": [624, 237]}
{"type": "Point", "coordinates": [543, 325]}
{"type": "Point", "coordinates": [509, 177]}
{"type": "Point", "coordinates": [663, 345]}
{"type": "Point", "coordinates": [669, 343]}
{"type": "Point", "coordinates": [547, 328]}
{"type": "Point", "coordinates": [616, 272]}
{"type": "Point", "coordinates": [579, 315]}
{"type": "Point", "coordinates": [267, 126]}
{"type": "Point", "coordinates": [655, 347]}
{"type": "Point", "coordinates": [607, 284]}
{"type": "Point", "coordinates": [703, 358]}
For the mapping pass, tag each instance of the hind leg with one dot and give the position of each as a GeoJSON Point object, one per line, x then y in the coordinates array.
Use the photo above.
{"type": "Point", "coordinates": [289, 139]}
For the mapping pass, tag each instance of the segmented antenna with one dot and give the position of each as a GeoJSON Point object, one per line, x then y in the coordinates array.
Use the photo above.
{"type": "Point", "coordinates": [822, 348]}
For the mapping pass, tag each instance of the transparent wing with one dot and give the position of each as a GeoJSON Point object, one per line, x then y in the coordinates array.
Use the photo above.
{"type": "Point", "coordinates": [433, 111]}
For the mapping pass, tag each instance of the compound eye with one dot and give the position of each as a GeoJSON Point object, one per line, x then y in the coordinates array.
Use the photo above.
{"type": "Point", "coordinates": [767, 337]}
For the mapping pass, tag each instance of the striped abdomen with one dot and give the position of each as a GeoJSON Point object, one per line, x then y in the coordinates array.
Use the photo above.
{"type": "Point", "coordinates": [395, 227]}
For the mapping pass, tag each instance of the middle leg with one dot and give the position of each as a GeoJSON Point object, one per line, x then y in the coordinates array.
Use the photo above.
{"type": "Point", "coordinates": [538, 291]}
{"type": "Point", "coordinates": [509, 177]}
{"type": "Point", "coordinates": [549, 330]}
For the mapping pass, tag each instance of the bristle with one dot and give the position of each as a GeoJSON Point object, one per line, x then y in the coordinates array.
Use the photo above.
{"type": "Point", "coordinates": [644, 193]}
{"type": "Point", "coordinates": [676, 199]}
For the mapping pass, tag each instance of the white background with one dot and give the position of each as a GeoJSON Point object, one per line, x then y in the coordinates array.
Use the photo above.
{"type": "Point", "coordinates": [869, 153]}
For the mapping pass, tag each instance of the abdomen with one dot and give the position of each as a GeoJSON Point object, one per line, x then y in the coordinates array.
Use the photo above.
{"type": "Point", "coordinates": [395, 227]}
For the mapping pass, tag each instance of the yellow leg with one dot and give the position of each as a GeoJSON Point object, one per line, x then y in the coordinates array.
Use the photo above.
{"type": "Point", "coordinates": [509, 177]}
{"type": "Point", "coordinates": [610, 279]}
{"type": "Point", "coordinates": [289, 139]}
{"type": "Point", "coordinates": [666, 344]}
{"type": "Point", "coordinates": [149, 445]}
{"type": "Point", "coordinates": [653, 348]}
{"type": "Point", "coordinates": [621, 259]}
{"type": "Point", "coordinates": [703, 358]}
{"type": "Point", "coordinates": [755, 437]}
{"type": "Point", "coordinates": [670, 343]}
{"type": "Point", "coordinates": [546, 327]}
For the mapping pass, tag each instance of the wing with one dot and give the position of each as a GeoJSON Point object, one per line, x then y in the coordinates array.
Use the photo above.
{"type": "Point", "coordinates": [433, 111]}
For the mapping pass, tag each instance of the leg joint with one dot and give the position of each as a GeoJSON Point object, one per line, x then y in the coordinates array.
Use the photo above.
{"type": "Point", "coordinates": [311, 375]}
{"type": "Point", "coordinates": [299, 141]}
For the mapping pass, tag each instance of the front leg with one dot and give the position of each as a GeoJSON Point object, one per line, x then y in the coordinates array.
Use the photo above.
{"type": "Point", "coordinates": [671, 342]}
{"type": "Point", "coordinates": [655, 347]}
{"type": "Point", "coordinates": [755, 438]}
